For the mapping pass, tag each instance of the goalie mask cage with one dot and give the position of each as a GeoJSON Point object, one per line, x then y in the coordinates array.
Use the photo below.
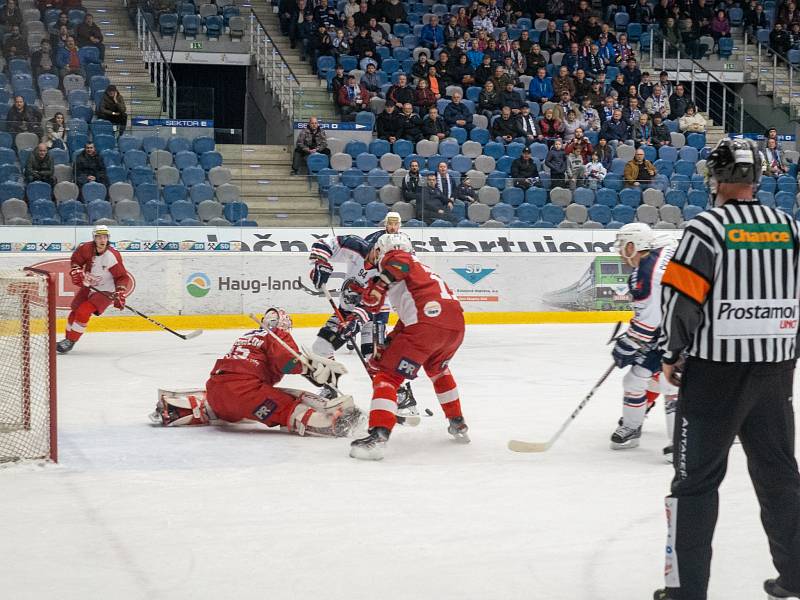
{"type": "Point", "coordinates": [27, 365]}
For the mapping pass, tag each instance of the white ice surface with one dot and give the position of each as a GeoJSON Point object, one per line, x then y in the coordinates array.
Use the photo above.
{"type": "Point", "coordinates": [136, 512]}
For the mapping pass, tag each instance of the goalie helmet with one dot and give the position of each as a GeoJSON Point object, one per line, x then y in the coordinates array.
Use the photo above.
{"type": "Point", "coordinates": [276, 318]}
{"type": "Point", "coordinates": [638, 234]}
{"type": "Point", "coordinates": [392, 241]}
{"type": "Point", "coordinates": [734, 161]}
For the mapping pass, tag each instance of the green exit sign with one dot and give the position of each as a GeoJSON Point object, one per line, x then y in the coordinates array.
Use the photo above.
{"type": "Point", "coordinates": [196, 45]}
{"type": "Point", "coordinates": [727, 67]}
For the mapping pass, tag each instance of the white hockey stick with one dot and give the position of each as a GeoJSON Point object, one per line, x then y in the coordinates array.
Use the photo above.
{"type": "Point", "coordinates": [519, 446]}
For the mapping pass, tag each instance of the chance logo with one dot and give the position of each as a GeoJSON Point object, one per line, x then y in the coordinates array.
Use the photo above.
{"type": "Point", "coordinates": [198, 285]}
{"type": "Point", "coordinates": [473, 273]}
{"type": "Point", "coordinates": [758, 236]}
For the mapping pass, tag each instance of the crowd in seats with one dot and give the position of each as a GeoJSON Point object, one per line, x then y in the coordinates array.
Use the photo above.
{"type": "Point", "coordinates": [214, 19]}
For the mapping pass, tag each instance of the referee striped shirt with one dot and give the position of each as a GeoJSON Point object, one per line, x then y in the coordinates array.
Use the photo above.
{"type": "Point", "coordinates": [732, 290]}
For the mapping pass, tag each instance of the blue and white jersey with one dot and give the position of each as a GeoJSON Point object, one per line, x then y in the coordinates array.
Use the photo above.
{"type": "Point", "coordinates": [644, 286]}
{"type": "Point", "coordinates": [350, 251]}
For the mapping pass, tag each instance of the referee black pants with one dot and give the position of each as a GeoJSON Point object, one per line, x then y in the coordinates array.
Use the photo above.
{"type": "Point", "coordinates": [717, 402]}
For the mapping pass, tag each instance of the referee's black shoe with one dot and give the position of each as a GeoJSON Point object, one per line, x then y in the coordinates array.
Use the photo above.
{"type": "Point", "coordinates": [776, 592]}
{"type": "Point", "coordinates": [662, 594]}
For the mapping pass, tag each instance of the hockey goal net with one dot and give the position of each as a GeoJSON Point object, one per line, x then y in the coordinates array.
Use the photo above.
{"type": "Point", "coordinates": [27, 366]}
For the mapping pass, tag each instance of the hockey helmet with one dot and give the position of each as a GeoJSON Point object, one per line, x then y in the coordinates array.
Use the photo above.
{"type": "Point", "coordinates": [638, 234]}
{"type": "Point", "coordinates": [101, 230]}
{"type": "Point", "coordinates": [392, 241]}
{"type": "Point", "coordinates": [734, 161]}
{"type": "Point", "coordinates": [276, 318]}
{"type": "Point", "coordinates": [393, 219]}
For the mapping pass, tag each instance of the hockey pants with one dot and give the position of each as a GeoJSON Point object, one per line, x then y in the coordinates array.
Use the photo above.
{"type": "Point", "coordinates": [85, 304]}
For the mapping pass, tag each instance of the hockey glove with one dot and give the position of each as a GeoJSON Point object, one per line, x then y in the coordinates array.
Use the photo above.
{"type": "Point", "coordinates": [625, 351]}
{"type": "Point", "coordinates": [352, 325]}
{"type": "Point", "coordinates": [321, 370]}
{"type": "Point", "coordinates": [77, 274]}
{"type": "Point", "coordinates": [320, 273]}
{"type": "Point", "coordinates": [119, 298]}
{"type": "Point", "coordinates": [374, 295]}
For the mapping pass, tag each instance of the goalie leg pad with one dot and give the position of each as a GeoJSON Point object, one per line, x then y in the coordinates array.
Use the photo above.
{"type": "Point", "coordinates": [327, 417]}
{"type": "Point", "coordinates": [182, 407]}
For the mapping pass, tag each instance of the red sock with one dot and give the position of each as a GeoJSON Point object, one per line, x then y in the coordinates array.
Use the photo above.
{"type": "Point", "coordinates": [383, 409]}
{"type": "Point", "coordinates": [78, 319]}
{"type": "Point", "coordinates": [447, 392]}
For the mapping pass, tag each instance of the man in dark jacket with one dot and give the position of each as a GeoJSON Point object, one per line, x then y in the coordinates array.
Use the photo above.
{"type": "Point", "coordinates": [389, 124]}
{"type": "Point", "coordinates": [112, 108]}
{"type": "Point", "coordinates": [678, 102]}
{"type": "Point", "coordinates": [22, 117]}
{"type": "Point", "coordinates": [457, 114]}
{"type": "Point", "coordinates": [89, 166]}
{"type": "Point", "coordinates": [400, 93]}
{"type": "Point", "coordinates": [432, 204]}
{"type": "Point", "coordinates": [505, 127]}
{"type": "Point", "coordinates": [411, 182]}
{"type": "Point", "coordinates": [615, 129]}
{"type": "Point", "coordinates": [412, 124]}
{"type": "Point", "coordinates": [433, 126]}
{"type": "Point", "coordinates": [311, 140]}
{"type": "Point", "coordinates": [524, 170]}
{"type": "Point", "coordinates": [510, 98]}
{"type": "Point", "coordinates": [89, 34]}
{"type": "Point", "coordinates": [40, 166]}
{"type": "Point", "coordinates": [660, 135]}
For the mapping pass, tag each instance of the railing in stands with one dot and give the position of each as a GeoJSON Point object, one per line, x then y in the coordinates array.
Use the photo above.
{"type": "Point", "coordinates": [158, 66]}
{"type": "Point", "coordinates": [766, 68]}
{"type": "Point", "coordinates": [278, 75]}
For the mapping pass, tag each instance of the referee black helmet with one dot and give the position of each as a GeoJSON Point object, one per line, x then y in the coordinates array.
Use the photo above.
{"type": "Point", "coordinates": [734, 161]}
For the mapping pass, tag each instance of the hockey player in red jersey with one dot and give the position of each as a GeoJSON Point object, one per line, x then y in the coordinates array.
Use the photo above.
{"type": "Point", "coordinates": [98, 265]}
{"type": "Point", "coordinates": [428, 333]}
{"type": "Point", "coordinates": [243, 387]}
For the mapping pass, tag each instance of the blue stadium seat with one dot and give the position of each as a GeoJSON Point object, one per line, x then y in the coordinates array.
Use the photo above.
{"type": "Point", "coordinates": [200, 192]}
{"type": "Point", "coordinates": [128, 142]}
{"type": "Point", "coordinates": [212, 158]}
{"type": "Point", "coordinates": [690, 211]}
{"type": "Point", "coordinates": [650, 153]}
{"type": "Point", "coordinates": [154, 210]}
{"type": "Point", "coordinates": [6, 141]}
{"type": "Point", "coordinates": [366, 161]}
{"type": "Point", "coordinates": [680, 182]}
{"type": "Point", "coordinates": [338, 194]}
{"type": "Point", "coordinates": [349, 211]}
{"type": "Point", "coordinates": [583, 196]}
{"type": "Point", "coordinates": [364, 194]}
{"type": "Point", "coordinates": [214, 28]}
{"type": "Point", "coordinates": [375, 212]}
{"type": "Point", "coordinates": [46, 81]}
{"type": "Point", "coordinates": [403, 148]}
{"type": "Point", "coordinates": [137, 158]}
{"type": "Point", "coordinates": [503, 212]}
{"type": "Point", "coordinates": [552, 213]}
{"type": "Point", "coordinates": [689, 153]}
{"type": "Point", "coordinates": [192, 176]}
{"type": "Point", "coordinates": [496, 179]}
{"type": "Point", "coordinates": [494, 149]}
{"type": "Point", "coordinates": [504, 164]}
{"type": "Point", "coordinates": [153, 142]}
{"type": "Point", "coordinates": [433, 162]}
{"type": "Point", "coordinates": [766, 183]}
{"type": "Point", "coordinates": [235, 211]}
{"type": "Point", "coordinates": [98, 209]}
{"type": "Point", "coordinates": [104, 142]}
{"type": "Point", "coordinates": [676, 198]}
{"type": "Point", "coordinates": [325, 63]}
{"type": "Point", "coordinates": [613, 225]}
{"type": "Point", "coordinates": [115, 174]}
{"type": "Point", "coordinates": [600, 213]}
{"type": "Point", "coordinates": [326, 178]}
{"type": "Point", "coordinates": [43, 211]}
{"type": "Point", "coordinates": [111, 157]}
{"type": "Point", "coordinates": [622, 213]}
{"type": "Point", "coordinates": [461, 163]}
{"type": "Point", "coordinates": [787, 184]}
{"type": "Point", "coordinates": [513, 196]}
{"type": "Point", "coordinates": [698, 182]}
{"type": "Point", "coordinates": [20, 66]}
{"type": "Point", "coordinates": [441, 223]}
{"type": "Point", "coordinates": [621, 20]}
{"type": "Point", "coordinates": [697, 198]}
{"type": "Point", "coordinates": [785, 201]}
{"type": "Point", "coordinates": [203, 144]}
{"type": "Point", "coordinates": [480, 135]}
{"type": "Point", "coordinates": [72, 212]}
{"type": "Point", "coordinates": [183, 159]}
{"type": "Point", "coordinates": [668, 153]}
{"type": "Point", "coordinates": [7, 156]}
{"type": "Point", "coordinates": [448, 148]}
{"type": "Point", "coordinates": [178, 144]}
{"type": "Point", "coordinates": [697, 140]}
{"type": "Point", "coordinates": [543, 225]}
{"type": "Point", "coordinates": [352, 178]}
{"type": "Point", "coordinates": [38, 190]}
{"type": "Point", "coordinates": [93, 190]}
{"type": "Point", "coordinates": [175, 192]}
{"type": "Point", "coordinates": [618, 166]}
{"type": "Point", "coordinates": [613, 181]}
{"type": "Point", "coordinates": [355, 147]}
{"type": "Point", "coordinates": [528, 213]}
{"type": "Point", "coordinates": [315, 162]}
{"type": "Point", "coordinates": [606, 197]}
{"type": "Point", "coordinates": [378, 178]}
{"type": "Point", "coordinates": [365, 119]}
{"type": "Point", "coordinates": [140, 175]}
{"type": "Point", "coordinates": [684, 167]}
{"type": "Point", "coordinates": [725, 47]}
{"type": "Point", "coordinates": [102, 127]}
{"type": "Point", "coordinates": [379, 147]}
{"type": "Point", "coordinates": [766, 198]}
{"type": "Point", "coordinates": [11, 189]}
{"type": "Point", "coordinates": [181, 209]}
{"type": "Point", "coordinates": [634, 32]}
{"type": "Point", "coordinates": [664, 167]}
{"type": "Point", "coordinates": [536, 196]}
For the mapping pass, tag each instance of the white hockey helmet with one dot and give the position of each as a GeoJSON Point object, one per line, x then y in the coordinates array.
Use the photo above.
{"type": "Point", "coordinates": [276, 318]}
{"type": "Point", "coordinates": [101, 230]}
{"type": "Point", "coordinates": [638, 234]}
{"type": "Point", "coordinates": [393, 218]}
{"type": "Point", "coordinates": [392, 241]}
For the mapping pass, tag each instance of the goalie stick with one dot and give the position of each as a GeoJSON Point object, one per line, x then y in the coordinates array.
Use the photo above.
{"type": "Point", "coordinates": [183, 336]}
{"type": "Point", "coordinates": [521, 446]}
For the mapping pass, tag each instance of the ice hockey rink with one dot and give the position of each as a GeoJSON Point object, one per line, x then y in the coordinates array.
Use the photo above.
{"type": "Point", "coordinates": [140, 512]}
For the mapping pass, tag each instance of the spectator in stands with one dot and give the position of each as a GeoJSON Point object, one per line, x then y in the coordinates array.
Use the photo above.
{"type": "Point", "coordinates": [411, 182]}
{"type": "Point", "coordinates": [432, 34]}
{"type": "Point", "coordinates": [112, 108]}
{"type": "Point", "coordinates": [660, 136]}
{"type": "Point", "coordinates": [67, 59]}
{"type": "Point", "coordinates": [576, 169]}
{"type": "Point", "coordinates": [582, 85]}
{"type": "Point", "coordinates": [665, 83]}
{"type": "Point", "coordinates": [63, 21]}
{"type": "Point", "coordinates": [779, 39]}
{"type": "Point", "coordinates": [672, 35]}
{"type": "Point", "coordinates": [57, 132]}
{"type": "Point", "coordinates": [446, 183]}
{"type": "Point", "coordinates": [493, 52]}
{"type": "Point", "coordinates": [400, 93]}
{"type": "Point", "coordinates": [424, 97]}
{"type": "Point", "coordinates": [788, 13]}
{"type": "Point", "coordinates": [755, 18]}
{"type": "Point", "coordinates": [365, 49]}
{"type": "Point", "coordinates": [432, 204]}
{"type": "Point", "coordinates": [645, 87]}
{"type": "Point", "coordinates": [305, 34]}
{"type": "Point", "coordinates": [615, 130]}
{"type": "Point", "coordinates": [483, 21]}
{"type": "Point", "coordinates": [463, 73]}
{"type": "Point", "coordinates": [285, 16]}
{"type": "Point", "coordinates": [563, 82]}
{"type": "Point", "coordinates": [774, 160]}
{"type": "Point", "coordinates": [434, 83]}
{"type": "Point", "coordinates": [596, 97]}
{"type": "Point", "coordinates": [363, 15]}
{"type": "Point", "coordinates": [526, 125]}
{"type": "Point", "coordinates": [631, 72]}
{"type": "Point", "coordinates": [21, 118]}
{"type": "Point", "coordinates": [623, 49]}
{"type": "Point", "coordinates": [641, 13]}
{"type": "Point", "coordinates": [643, 131]}
{"type": "Point", "coordinates": [509, 97]}
{"type": "Point", "coordinates": [556, 161]}
{"type": "Point", "coordinates": [40, 166]}
{"type": "Point", "coordinates": [607, 110]}
{"type": "Point", "coordinates": [550, 128]}
{"type": "Point", "coordinates": [594, 63]}
{"type": "Point", "coordinates": [535, 60]}
{"type": "Point", "coordinates": [658, 103]}
{"type": "Point", "coordinates": [692, 121]}
{"type": "Point", "coordinates": [89, 166]}
{"type": "Point", "coordinates": [340, 45]}
{"type": "Point", "coordinates": [457, 114]}
{"type": "Point", "coordinates": [582, 143]}
{"type": "Point", "coordinates": [412, 124]}
{"type": "Point", "coordinates": [353, 98]}
{"type": "Point", "coordinates": [678, 103]}
{"type": "Point", "coordinates": [465, 192]}
{"type": "Point", "coordinates": [394, 11]}
{"type": "Point", "coordinates": [42, 59]}
{"type": "Point", "coordinates": [638, 171]}
{"type": "Point", "coordinates": [504, 129]}
{"type": "Point", "coordinates": [420, 68]}
{"type": "Point", "coordinates": [475, 54]}
{"type": "Point", "coordinates": [312, 140]}
{"type": "Point", "coordinates": [795, 35]}
{"type": "Point", "coordinates": [378, 33]}
{"type": "Point", "coordinates": [89, 34]}
{"type": "Point", "coordinates": [518, 61]}
{"type": "Point", "coordinates": [589, 115]}
{"type": "Point", "coordinates": [720, 26]}
{"type": "Point", "coordinates": [371, 80]}
{"type": "Point", "coordinates": [500, 78]}
{"type": "Point", "coordinates": [573, 60]}
{"type": "Point", "coordinates": [632, 111]}
{"type": "Point", "coordinates": [565, 104]}
{"type": "Point", "coordinates": [452, 30]}
{"type": "Point", "coordinates": [11, 14]}
{"type": "Point", "coordinates": [485, 71]}
{"type": "Point", "coordinates": [389, 124]}
{"type": "Point", "coordinates": [338, 81]}
{"type": "Point", "coordinates": [444, 69]}
{"type": "Point", "coordinates": [595, 172]}
{"type": "Point", "coordinates": [433, 126]}
{"type": "Point", "coordinates": [607, 52]}
{"type": "Point", "coordinates": [618, 86]}
{"type": "Point", "coordinates": [571, 125]}
{"type": "Point", "coordinates": [14, 45]}
{"type": "Point", "coordinates": [551, 39]}
{"type": "Point", "coordinates": [524, 171]}
{"type": "Point", "coordinates": [605, 152]}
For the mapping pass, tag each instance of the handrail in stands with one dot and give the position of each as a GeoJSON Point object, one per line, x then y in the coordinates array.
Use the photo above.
{"type": "Point", "coordinates": [278, 75]}
{"type": "Point", "coordinates": [762, 53]}
{"type": "Point", "coordinates": [158, 66]}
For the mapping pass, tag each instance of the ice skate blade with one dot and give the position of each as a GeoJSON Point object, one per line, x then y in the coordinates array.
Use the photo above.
{"type": "Point", "coordinates": [625, 445]}
{"type": "Point", "coordinates": [461, 438]}
{"type": "Point", "coordinates": [362, 453]}
{"type": "Point", "coordinates": [410, 420]}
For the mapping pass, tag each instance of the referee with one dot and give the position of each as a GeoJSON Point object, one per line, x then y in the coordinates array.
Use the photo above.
{"type": "Point", "coordinates": [731, 304]}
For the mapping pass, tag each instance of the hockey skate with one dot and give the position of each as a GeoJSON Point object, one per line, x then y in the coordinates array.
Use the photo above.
{"type": "Point", "coordinates": [668, 454]}
{"type": "Point", "coordinates": [662, 594]}
{"type": "Point", "coordinates": [776, 592]}
{"type": "Point", "coordinates": [625, 437]}
{"type": "Point", "coordinates": [64, 346]}
{"type": "Point", "coordinates": [372, 446]}
{"type": "Point", "coordinates": [458, 429]}
{"type": "Point", "coordinates": [407, 411]}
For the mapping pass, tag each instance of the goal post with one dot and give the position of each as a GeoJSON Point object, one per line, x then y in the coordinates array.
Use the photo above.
{"type": "Point", "coordinates": [28, 420]}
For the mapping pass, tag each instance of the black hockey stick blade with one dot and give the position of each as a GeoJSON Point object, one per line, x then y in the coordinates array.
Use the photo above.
{"type": "Point", "coordinates": [311, 291]}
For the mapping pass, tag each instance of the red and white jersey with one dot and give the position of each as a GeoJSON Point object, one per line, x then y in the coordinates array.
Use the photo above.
{"type": "Point", "coordinates": [258, 354]}
{"type": "Point", "coordinates": [104, 271]}
{"type": "Point", "coordinates": [418, 294]}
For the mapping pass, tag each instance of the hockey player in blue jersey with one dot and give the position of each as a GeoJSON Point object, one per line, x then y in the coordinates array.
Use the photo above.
{"type": "Point", "coordinates": [636, 348]}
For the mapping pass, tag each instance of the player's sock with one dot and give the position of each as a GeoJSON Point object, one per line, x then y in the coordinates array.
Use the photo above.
{"type": "Point", "coordinates": [383, 408]}
{"type": "Point", "coordinates": [447, 393]}
{"type": "Point", "coordinates": [77, 321]}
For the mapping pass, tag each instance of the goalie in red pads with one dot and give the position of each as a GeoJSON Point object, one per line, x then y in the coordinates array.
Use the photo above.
{"type": "Point", "coordinates": [242, 387]}
{"type": "Point", "coordinates": [98, 265]}
{"type": "Point", "coordinates": [428, 333]}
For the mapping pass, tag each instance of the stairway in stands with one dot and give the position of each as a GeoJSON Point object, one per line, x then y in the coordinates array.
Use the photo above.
{"type": "Point", "coordinates": [123, 60]}
{"type": "Point", "coordinates": [274, 198]}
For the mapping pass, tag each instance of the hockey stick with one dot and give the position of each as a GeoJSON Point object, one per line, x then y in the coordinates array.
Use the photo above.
{"type": "Point", "coordinates": [520, 446]}
{"type": "Point", "coordinates": [183, 336]}
{"type": "Point", "coordinates": [311, 291]}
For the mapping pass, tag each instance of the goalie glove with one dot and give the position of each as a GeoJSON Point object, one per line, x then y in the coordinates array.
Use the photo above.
{"type": "Point", "coordinates": [119, 298]}
{"type": "Point", "coordinates": [77, 274]}
{"type": "Point", "coordinates": [320, 273]}
{"type": "Point", "coordinates": [626, 350]}
{"type": "Point", "coordinates": [321, 370]}
{"type": "Point", "coordinates": [352, 325]}
{"type": "Point", "coordinates": [374, 294]}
